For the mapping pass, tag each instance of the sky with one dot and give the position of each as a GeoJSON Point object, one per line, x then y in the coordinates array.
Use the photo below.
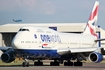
{"type": "Point", "coordinates": [50, 11]}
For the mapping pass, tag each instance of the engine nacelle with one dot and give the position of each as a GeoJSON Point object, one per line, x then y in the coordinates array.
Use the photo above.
{"type": "Point", "coordinates": [95, 57]}
{"type": "Point", "coordinates": [8, 56]}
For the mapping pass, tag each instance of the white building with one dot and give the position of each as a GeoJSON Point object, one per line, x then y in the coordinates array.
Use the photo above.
{"type": "Point", "coordinates": [8, 31]}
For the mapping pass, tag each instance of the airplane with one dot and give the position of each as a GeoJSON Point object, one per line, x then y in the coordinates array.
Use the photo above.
{"type": "Point", "coordinates": [17, 20]}
{"type": "Point", "coordinates": [40, 43]}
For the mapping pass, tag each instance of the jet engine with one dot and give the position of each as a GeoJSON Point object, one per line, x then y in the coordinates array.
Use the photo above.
{"type": "Point", "coordinates": [95, 57]}
{"type": "Point", "coordinates": [8, 56]}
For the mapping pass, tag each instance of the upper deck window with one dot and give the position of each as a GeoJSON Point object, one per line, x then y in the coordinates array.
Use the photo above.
{"type": "Point", "coordinates": [24, 30]}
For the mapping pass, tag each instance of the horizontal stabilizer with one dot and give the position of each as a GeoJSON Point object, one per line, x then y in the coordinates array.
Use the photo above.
{"type": "Point", "coordinates": [99, 40]}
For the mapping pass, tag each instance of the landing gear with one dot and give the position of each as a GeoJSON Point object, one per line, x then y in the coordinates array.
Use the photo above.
{"type": "Point", "coordinates": [73, 64]}
{"type": "Point", "coordinates": [55, 63]}
{"type": "Point", "coordinates": [38, 63]}
{"type": "Point", "coordinates": [25, 63]}
{"type": "Point", "coordinates": [69, 63]}
{"type": "Point", "coordinates": [78, 63]}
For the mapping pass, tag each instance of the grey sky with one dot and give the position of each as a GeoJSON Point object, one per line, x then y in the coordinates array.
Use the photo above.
{"type": "Point", "coordinates": [48, 11]}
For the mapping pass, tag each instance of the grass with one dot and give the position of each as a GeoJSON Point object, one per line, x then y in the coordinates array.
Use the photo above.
{"type": "Point", "coordinates": [14, 63]}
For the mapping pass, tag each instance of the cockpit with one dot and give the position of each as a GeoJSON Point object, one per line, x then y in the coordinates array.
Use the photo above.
{"type": "Point", "coordinates": [24, 30]}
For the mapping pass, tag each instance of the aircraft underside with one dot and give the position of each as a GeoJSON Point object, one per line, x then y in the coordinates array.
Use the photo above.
{"type": "Point", "coordinates": [41, 55]}
{"type": "Point", "coordinates": [70, 59]}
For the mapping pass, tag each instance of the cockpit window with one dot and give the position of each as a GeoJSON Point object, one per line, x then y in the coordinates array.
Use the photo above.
{"type": "Point", "coordinates": [24, 30]}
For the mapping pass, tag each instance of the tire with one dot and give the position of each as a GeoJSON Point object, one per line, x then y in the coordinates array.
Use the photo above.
{"type": "Point", "coordinates": [68, 63]}
{"type": "Point", "coordinates": [78, 64]}
{"type": "Point", "coordinates": [27, 64]}
{"type": "Point", "coordinates": [24, 64]}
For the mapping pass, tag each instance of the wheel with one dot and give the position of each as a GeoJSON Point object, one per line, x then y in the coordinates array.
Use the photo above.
{"type": "Point", "coordinates": [24, 64]}
{"type": "Point", "coordinates": [78, 64]}
{"type": "Point", "coordinates": [51, 64]}
{"type": "Point", "coordinates": [34, 64]}
{"type": "Point", "coordinates": [65, 63]}
{"type": "Point", "coordinates": [68, 63]}
{"type": "Point", "coordinates": [54, 63]}
{"type": "Point", "coordinates": [38, 63]}
{"type": "Point", "coordinates": [57, 63]}
{"type": "Point", "coordinates": [27, 64]}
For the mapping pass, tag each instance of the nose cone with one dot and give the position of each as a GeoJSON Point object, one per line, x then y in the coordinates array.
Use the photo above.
{"type": "Point", "coordinates": [15, 43]}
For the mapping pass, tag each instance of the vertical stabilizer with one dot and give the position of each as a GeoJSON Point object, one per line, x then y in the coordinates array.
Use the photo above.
{"type": "Point", "coordinates": [91, 24]}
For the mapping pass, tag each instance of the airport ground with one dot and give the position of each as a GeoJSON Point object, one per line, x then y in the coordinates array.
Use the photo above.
{"type": "Point", "coordinates": [17, 66]}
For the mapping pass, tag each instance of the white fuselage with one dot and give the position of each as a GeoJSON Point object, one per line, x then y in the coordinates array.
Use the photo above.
{"type": "Point", "coordinates": [38, 38]}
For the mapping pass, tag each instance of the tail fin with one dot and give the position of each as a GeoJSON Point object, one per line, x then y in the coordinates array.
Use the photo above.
{"type": "Point", "coordinates": [91, 24]}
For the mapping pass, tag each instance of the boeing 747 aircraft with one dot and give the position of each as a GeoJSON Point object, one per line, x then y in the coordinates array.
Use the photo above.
{"type": "Point", "coordinates": [39, 43]}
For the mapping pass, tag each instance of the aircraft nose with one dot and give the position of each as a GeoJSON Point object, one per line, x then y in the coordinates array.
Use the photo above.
{"type": "Point", "coordinates": [15, 43]}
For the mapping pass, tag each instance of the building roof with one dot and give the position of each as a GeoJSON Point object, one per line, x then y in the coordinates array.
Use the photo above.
{"type": "Point", "coordinates": [61, 27]}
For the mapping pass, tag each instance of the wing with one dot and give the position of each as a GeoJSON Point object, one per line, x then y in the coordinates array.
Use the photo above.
{"type": "Point", "coordinates": [5, 48]}
{"type": "Point", "coordinates": [82, 52]}
{"type": "Point", "coordinates": [76, 50]}
{"type": "Point", "coordinates": [99, 40]}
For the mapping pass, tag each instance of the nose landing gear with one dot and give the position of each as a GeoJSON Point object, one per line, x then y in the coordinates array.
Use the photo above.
{"type": "Point", "coordinates": [25, 63]}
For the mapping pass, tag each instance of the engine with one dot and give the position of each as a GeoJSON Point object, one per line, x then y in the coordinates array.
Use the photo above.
{"type": "Point", "coordinates": [95, 57]}
{"type": "Point", "coordinates": [8, 56]}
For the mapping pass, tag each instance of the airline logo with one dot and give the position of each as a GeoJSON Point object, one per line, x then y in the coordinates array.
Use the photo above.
{"type": "Point", "coordinates": [50, 38]}
{"type": "Point", "coordinates": [93, 14]}
{"type": "Point", "coordinates": [35, 36]}
{"type": "Point", "coordinates": [93, 19]}
{"type": "Point", "coordinates": [92, 31]}
{"type": "Point", "coordinates": [44, 45]}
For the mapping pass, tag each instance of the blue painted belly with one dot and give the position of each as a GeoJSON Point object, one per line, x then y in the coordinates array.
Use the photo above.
{"type": "Point", "coordinates": [39, 53]}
